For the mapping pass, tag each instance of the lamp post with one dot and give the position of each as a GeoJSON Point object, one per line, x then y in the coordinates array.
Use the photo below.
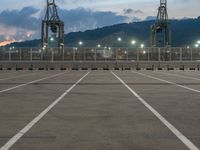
{"type": "Point", "coordinates": [116, 51]}
{"type": "Point", "coordinates": [133, 42]}
{"type": "Point", "coordinates": [80, 43]}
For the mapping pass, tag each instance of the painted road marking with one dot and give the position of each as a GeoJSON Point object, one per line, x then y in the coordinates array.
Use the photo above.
{"type": "Point", "coordinates": [21, 133]}
{"type": "Point", "coordinates": [176, 132]}
{"type": "Point", "coordinates": [169, 82]}
{"type": "Point", "coordinates": [35, 81]}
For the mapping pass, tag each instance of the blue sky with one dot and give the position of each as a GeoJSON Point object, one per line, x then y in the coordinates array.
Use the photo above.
{"type": "Point", "coordinates": [20, 19]}
{"type": "Point", "coordinates": [177, 8]}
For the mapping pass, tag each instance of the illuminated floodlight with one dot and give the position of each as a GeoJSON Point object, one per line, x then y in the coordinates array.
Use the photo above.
{"type": "Point", "coordinates": [119, 39]}
{"type": "Point", "coordinates": [133, 42]}
{"type": "Point", "coordinates": [196, 45]}
{"type": "Point", "coordinates": [144, 52]}
{"type": "Point", "coordinates": [51, 39]}
{"type": "Point", "coordinates": [188, 47]}
{"type": "Point", "coordinates": [98, 45]}
{"type": "Point", "coordinates": [142, 46]}
{"type": "Point", "coordinates": [80, 43]}
{"type": "Point", "coordinates": [109, 48]}
{"type": "Point", "coordinates": [198, 42]}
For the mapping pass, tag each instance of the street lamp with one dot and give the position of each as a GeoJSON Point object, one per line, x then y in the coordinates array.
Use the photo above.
{"type": "Point", "coordinates": [198, 42]}
{"type": "Point", "coordinates": [133, 42]}
{"type": "Point", "coordinates": [196, 45]}
{"type": "Point", "coordinates": [51, 39]}
{"type": "Point", "coordinates": [119, 39]}
{"type": "Point", "coordinates": [98, 45]}
{"type": "Point", "coordinates": [80, 43]}
{"type": "Point", "coordinates": [142, 46]}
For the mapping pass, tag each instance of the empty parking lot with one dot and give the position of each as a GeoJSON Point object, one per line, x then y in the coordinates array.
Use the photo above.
{"type": "Point", "coordinates": [99, 110]}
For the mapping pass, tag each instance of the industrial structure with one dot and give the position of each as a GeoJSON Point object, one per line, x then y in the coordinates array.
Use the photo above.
{"type": "Point", "coordinates": [52, 28]}
{"type": "Point", "coordinates": [160, 30]}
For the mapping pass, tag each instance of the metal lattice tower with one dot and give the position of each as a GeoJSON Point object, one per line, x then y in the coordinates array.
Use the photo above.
{"type": "Point", "coordinates": [160, 30]}
{"type": "Point", "coordinates": [53, 24]}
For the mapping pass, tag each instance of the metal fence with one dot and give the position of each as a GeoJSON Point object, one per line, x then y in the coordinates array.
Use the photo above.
{"type": "Point", "coordinates": [100, 54]}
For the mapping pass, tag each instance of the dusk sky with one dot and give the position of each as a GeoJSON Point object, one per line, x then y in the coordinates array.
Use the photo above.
{"type": "Point", "coordinates": [20, 19]}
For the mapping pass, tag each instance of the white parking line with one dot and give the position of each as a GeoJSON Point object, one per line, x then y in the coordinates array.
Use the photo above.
{"type": "Point", "coordinates": [21, 133]}
{"type": "Point", "coordinates": [176, 132]}
{"type": "Point", "coordinates": [31, 82]}
{"type": "Point", "coordinates": [169, 82]}
{"type": "Point", "coordinates": [178, 75]}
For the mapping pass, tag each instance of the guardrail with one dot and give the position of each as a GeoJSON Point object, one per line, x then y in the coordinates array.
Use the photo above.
{"type": "Point", "coordinates": [100, 54]}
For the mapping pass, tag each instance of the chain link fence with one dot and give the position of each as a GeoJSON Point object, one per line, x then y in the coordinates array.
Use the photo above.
{"type": "Point", "coordinates": [100, 54]}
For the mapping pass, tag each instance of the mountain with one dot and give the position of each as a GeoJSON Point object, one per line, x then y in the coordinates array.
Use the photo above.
{"type": "Point", "coordinates": [184, 32]}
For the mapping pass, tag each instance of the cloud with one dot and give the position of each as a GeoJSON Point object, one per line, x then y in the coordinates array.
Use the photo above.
{"type": "Point", "coordinates": [25, 24]}
{"type": "Point", "coordinates": [19, 25]}
{"type": "Point", "coordinates": [23, 18]}
{"type": "Point", "coordinates": [10, 34]}
{"type": "Point", "coordinates": [132, 15]}
{"type": "Point", "coordinates": [132, 11]}
{"type": "Point", "coordinates": [82, 19]}
{"type": "Point", "coordinates": [149, 18]}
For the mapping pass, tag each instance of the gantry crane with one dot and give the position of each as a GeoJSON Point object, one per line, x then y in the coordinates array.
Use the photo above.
{"type": "Point", "coordinates": [160, 30]}
{"type": "Point", "coordinates": [52, 24]}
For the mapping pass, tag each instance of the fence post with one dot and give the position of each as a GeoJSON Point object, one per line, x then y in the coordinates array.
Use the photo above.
{"type": "Point", "coordinates": [20, 54]}
{"type": "Point", "coordinates": [181, 55]}
{"type": "Point", "coordinates": [95, 54]}
{"type": "Point", "coordinates": [138, 55]}
{"type": "Point", "coordinates": [52, 55]}
{"type": "Point", "coordinates": [9, 55]}
{"type": "Point", "coordinates": [31, 55]}
{"type": "Point", "coordinates": [84, 57]}
{"type": "Point", "coordinates": [127, 54]}
{"type": "Point", "coordinates": [41, 54]}
{"type": "Point", "coordinates": [73, 54]}
{"type": "Point", "coordinates": [116, 54]}
{"type": "Point", "coordinates": [63, 54]}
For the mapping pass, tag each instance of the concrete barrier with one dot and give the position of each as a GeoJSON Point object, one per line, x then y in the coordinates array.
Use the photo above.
{"type": "Point", "coordinates": [100, 65]}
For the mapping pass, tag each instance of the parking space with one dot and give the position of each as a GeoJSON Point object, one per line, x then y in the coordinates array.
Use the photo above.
{"type": "Point", "coordinates": [120, 110]}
